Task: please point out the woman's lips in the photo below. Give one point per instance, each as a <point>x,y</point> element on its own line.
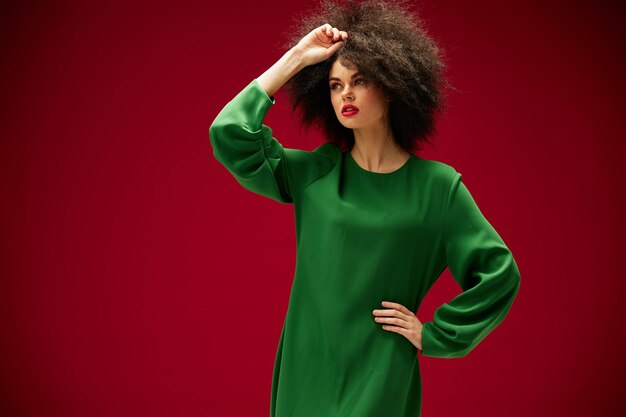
<point>349,110</point>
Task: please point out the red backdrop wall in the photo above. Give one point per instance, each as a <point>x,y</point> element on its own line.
<point>138,278</point>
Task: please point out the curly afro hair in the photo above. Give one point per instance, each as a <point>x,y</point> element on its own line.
<point>388,43</point>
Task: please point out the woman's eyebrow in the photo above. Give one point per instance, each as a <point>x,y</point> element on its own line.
<point>353,75</point>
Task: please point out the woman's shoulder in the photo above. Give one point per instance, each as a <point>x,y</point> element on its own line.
<point>325,154</point>
<point>329,150</point>
<point>437,170</point>
<point>305,167</point>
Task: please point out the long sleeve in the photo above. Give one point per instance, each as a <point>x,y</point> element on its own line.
<point>486,271</point>
<point>257,160</point>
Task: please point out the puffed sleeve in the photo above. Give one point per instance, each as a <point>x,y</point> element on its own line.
<point>484,268</point>
<point>257,160</point>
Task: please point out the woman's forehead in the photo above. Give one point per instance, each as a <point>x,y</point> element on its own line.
<point>340,68</point>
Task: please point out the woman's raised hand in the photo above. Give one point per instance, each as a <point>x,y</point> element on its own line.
<point>320,44</point>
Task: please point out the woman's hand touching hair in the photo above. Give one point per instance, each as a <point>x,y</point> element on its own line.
<point>318,45</point>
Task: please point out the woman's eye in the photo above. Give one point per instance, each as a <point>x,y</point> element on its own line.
<point>362,80</point>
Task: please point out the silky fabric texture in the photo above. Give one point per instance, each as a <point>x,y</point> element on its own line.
<point>364,237</point>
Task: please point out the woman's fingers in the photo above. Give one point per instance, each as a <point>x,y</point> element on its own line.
<point>327,29</point>
<point>333,32</point>
<point>333,48</point>
<point>392,320</point>
<point>400,319</point>
<point>391,316</point>
<point>320,43</point>
<point>396,306</point>
<point>390,313</point>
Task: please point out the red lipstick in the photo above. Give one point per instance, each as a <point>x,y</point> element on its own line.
<point>349,110</point>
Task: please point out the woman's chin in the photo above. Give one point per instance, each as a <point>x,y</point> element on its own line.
<point>347,124</point>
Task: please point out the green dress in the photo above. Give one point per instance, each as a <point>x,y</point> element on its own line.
<point>363,238</point>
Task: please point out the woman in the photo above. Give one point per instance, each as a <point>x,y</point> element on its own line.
<point>376,224</point>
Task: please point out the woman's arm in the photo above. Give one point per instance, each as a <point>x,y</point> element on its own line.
<point>279,73</point>
<point>246,147</point>
<point>318,45</point>
<point>485,269</point>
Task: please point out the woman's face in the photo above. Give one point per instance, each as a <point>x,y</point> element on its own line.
<point>348,87</point>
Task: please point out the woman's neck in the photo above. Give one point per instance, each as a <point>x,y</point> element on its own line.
<point>377,151</point>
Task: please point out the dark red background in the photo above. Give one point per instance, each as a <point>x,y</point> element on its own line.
<point>138,278</point>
